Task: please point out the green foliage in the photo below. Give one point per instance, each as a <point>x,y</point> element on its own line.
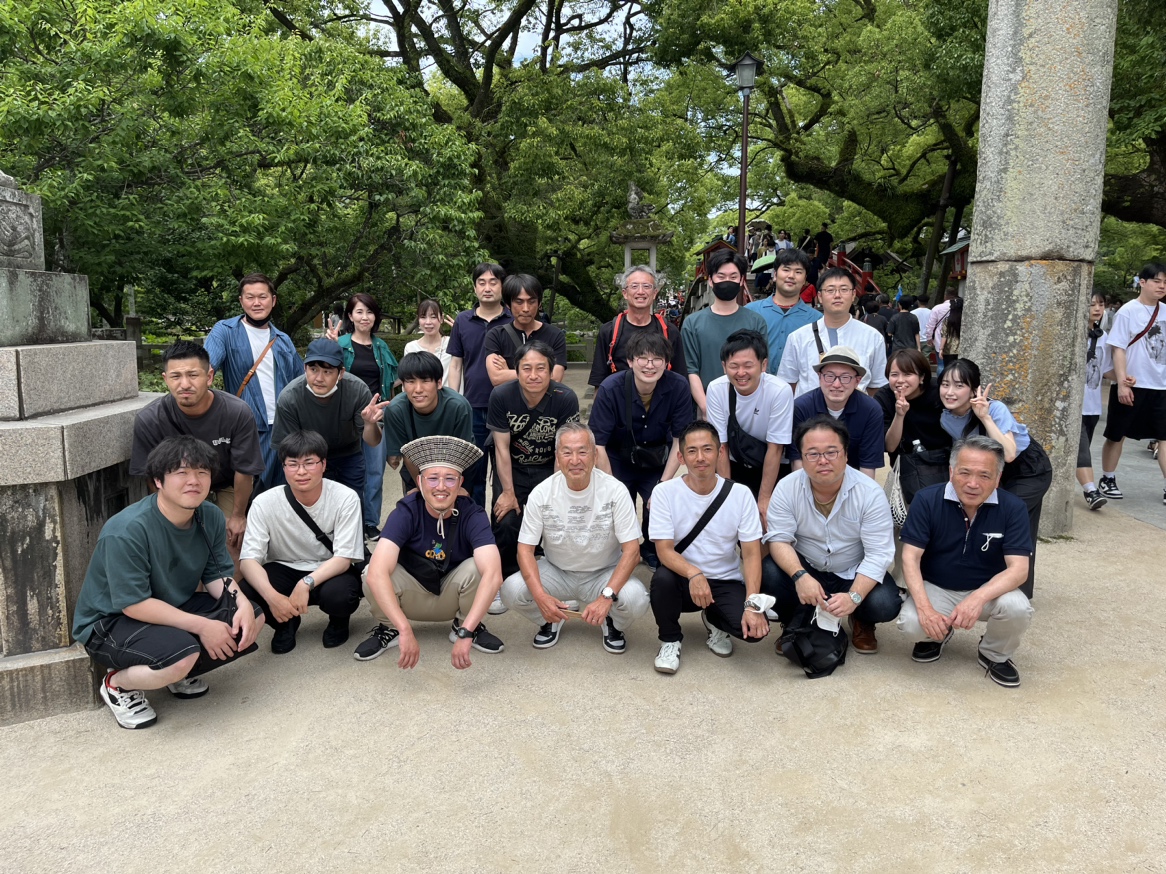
<point>1124,249</point>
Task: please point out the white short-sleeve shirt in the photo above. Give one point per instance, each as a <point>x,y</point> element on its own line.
<point>276,533</point>
<point>767,414</point>
<point>676,509</point>
<point>1146,359</point>
<point>1091,406</point>
<point>801,354</point>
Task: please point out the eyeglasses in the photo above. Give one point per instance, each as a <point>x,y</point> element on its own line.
<point>644,361</point>
<point>814,455</point>
<point>832,291</point>
<point>844,378</point>
<point>434,481</point>
<point>641,286</point>
<point>302,465</point>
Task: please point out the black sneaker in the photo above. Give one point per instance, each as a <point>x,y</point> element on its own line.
<point>931,650</point>
<point>372,533</point>
<point>613,639</point>
<point>379,639</point>
<point>336,633</point>
<point>482,641</point>
<point>1094,500</point>
<point>1107,485</point>
<point>1002,673</point>
<point>284,639</point>
<point>548,635</point>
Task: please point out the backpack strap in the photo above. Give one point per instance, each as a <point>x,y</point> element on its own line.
<point>299,510</point>
<point>818,338</point>
<point>515,337</point>
<point>614,338</point>
<point>706,517</point>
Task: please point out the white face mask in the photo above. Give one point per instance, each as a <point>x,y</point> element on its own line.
<point>326,394</point>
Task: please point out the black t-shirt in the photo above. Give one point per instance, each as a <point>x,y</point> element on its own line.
<point>364,367</point>
<point>532,431</point>
<point>500,342</point>
<point>825,243</point>
<point>601,370</point>
<point>228,427</point>
<point>877,322</point>
<point>921,422</point>
<point>903,329</point>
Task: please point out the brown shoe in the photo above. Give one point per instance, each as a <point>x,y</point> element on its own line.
<point>862,637</point>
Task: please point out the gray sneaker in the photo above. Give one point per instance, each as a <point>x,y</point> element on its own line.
<point>130,707</point>
<point>189,687</point>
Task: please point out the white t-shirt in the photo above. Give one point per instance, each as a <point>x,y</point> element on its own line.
<point>259,338</point>
<point>580,531</point>
<point>767,414</point>
<point>1146,359</point>
<point>923,314</point>
<point>276,533</point>
<point>801,354</point>
<point>1091,406</point>
<point>676,509</point>
<point>442,355</point>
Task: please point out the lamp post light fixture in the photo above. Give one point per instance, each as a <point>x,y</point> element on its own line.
<point>746,71</point>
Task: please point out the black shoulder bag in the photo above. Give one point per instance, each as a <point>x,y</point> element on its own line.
<point>648,455</point>
<point>706,517</point>
<point>746,448</point>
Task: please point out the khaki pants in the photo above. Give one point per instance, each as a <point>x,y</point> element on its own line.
<point>1008,617</point>
<point>224,499</point>
<point>458,589</point>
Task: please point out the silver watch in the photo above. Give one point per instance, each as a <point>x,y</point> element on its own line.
<point>310,580</point>
<point>855,597</point>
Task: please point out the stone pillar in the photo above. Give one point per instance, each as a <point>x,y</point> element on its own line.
<point>1047,73</point>
<point>67,407</point>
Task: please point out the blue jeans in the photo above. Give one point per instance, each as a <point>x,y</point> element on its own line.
<point>374,482</point>
<point>882,603</point>
<point>348,471</point>
<point>476,476</point>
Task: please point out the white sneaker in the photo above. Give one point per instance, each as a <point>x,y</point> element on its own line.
<point>719,641</point>
<point>497,608</point>
<point>189,687</point>
<point>668,659</point>
<point>130,709</point>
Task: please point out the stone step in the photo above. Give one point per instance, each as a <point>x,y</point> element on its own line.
<point>56,377</point>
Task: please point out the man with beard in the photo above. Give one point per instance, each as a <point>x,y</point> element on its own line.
<point>785,311</point>
<point>705,332</point>
<point>257,361</point>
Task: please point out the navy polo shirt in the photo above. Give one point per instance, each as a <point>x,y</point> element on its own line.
<point>960,555</point>
<point>862,415</point>
<point>669,411</point>
<point>466,341</point>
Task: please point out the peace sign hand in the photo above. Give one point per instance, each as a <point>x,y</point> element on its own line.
<point>980,403</point>
<point>374,412</point>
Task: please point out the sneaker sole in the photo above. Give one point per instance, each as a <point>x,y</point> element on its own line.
<point>615,650</point>
<point>938,655</point>
<point>663,670</point>
<point>546,644</point>
<point>189,696</point>
<point>1097,505</point>
<point>495,611</point>
<point>987,665</point>
<point>145,724</point>
<point>376,655</point>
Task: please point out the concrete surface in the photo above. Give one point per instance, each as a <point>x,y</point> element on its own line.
<point>572,759</point>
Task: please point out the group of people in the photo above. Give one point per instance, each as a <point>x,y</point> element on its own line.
<point>778,412</point>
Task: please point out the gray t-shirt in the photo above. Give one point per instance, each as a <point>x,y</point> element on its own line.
<point>336,417</point>
<point>705,332</point>
<point>228,427</point>
<point>276,533</point>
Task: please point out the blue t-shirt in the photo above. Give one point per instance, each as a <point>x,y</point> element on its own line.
<point>862,416</point>
<point>669,411</point>
<point>413,528</point>
<point>959,555</point>
<point>1001,415</point>
<point>781,324</point>
<point>466,341</point>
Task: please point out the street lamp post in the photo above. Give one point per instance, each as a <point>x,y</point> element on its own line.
<point>746,70</point>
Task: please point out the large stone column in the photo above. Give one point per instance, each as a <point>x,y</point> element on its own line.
<point>1047,74</point>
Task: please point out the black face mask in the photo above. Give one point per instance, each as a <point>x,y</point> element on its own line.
<point>726,290</point>
<point>254,324</point>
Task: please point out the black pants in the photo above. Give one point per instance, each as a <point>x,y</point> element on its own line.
<point>882,603</point>
<point>337,597</point>
<point>639,481</point>
<point>506,529</point>
<point>670,597</point>
<point>750,477</point>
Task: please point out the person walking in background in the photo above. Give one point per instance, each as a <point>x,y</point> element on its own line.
<point>952,326</point>
<point>1096,365</point>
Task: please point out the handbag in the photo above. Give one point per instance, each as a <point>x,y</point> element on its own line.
<point>746,448</point>
<point>922,468</point>
<point>814,650</point>
<point>894,490</point>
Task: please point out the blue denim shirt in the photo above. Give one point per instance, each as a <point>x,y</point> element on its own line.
<point>230,352</point>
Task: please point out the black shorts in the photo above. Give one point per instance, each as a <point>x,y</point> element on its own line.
<point>120,642</point>
<point>1145,420</point>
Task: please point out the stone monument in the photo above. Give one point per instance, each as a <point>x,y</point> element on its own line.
<point>67,407</point>
<point>640,231</point>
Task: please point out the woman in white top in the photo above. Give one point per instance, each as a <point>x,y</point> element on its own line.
<point>1096,365</point>
<point>429,319</point>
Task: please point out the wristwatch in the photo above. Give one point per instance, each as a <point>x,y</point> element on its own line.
<point>855,597</point>
<point>310,580</point>
<point>463,633</point>
<point>609,593</point>
<point>797,575</point>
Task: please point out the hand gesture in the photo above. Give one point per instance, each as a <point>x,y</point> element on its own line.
<point>980,403</point>
<point>282,608</point>
<point>901,405</point>
<point>332,332</point>
<point>374,412</point>
<point>933,622</point>
<point>754,625</point>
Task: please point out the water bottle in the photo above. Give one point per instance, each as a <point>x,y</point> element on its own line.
<point>916,447</point>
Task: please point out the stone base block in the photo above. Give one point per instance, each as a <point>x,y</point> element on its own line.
<point>56,377</point>
<point>39,307</point>
<point>45,684</point>
<point>22,243</point>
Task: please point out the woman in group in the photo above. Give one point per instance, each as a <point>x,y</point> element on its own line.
<point>1096,365</point>
<point>368,358</point>
<point>952,325</point>
<point>968,410</point>
<point>911,411</point>
<point>429,320</point>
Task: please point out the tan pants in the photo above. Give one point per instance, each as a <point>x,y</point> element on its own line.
<point>225,500</point>
<point>458,589</point>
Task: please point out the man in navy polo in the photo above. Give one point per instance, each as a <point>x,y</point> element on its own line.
<point>637,418</point>
<point>785,311</point>
<point>467,369</point>
<point>966,549</point>
<point>839,373</point>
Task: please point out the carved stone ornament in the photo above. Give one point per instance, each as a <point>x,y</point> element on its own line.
<point>637,209</point>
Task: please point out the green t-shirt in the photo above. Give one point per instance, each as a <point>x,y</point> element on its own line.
<point>704,333</point>
<point>141,554</point>
<point>336,417</point>
<point>453,417</point>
